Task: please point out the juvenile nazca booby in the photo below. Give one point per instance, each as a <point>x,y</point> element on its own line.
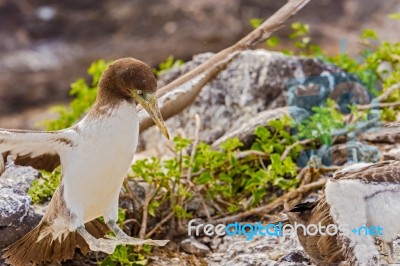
<point>95,156</point>
<point>358,196</point>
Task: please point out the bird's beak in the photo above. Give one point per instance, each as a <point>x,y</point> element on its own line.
<point>149,102</point>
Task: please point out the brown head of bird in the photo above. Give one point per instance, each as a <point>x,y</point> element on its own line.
<point>131,79</point>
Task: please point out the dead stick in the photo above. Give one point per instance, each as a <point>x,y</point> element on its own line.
<point>161,223</point>
<point>262,33</point>
<point>142,232</point>
<point>379,105</point>
<point>290,148</point>
<point>194,146</point>
<point>274,204</point>
<point>389,91</point>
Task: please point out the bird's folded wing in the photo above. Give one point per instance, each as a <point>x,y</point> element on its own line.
<point>41,150</point>
<point>385,171</point>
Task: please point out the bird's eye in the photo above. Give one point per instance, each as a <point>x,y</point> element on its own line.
<point>139,92</point>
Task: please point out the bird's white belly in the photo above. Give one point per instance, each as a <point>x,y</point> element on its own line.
<point>93,176</point>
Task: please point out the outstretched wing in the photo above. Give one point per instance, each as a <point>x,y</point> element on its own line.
<point>39,149</point>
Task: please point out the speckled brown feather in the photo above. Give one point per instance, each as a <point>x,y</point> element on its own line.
<point>323,250</point>
<point>386,171</point>
<point>29,250</point>
<point>47,162</point>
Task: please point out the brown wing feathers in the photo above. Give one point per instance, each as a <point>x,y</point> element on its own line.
<point>386,171</point>
<point>33,148</point>
<point>30,249</point>
<point>47,162</point>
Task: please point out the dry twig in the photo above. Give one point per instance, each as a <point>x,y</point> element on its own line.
<point>377,105</point>
<point>291,147</point>
<point>389,91</point>
<point>161,223</point>
<point>143,227</point>
<point>274,204</point>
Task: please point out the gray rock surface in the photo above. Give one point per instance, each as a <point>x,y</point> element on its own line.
<point>257,81</point>
<point>16,215</point>
<point>259,251</point>
<point>351,151</point>
<point>193,246</point>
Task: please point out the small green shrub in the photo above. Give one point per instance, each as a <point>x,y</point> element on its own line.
<point>43,188</point>
<point>84,97</point>
<point>169,63</point>
<point>126,256</point>
<point>321,125</point>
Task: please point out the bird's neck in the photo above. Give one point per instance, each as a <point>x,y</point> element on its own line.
<point>106,107</point>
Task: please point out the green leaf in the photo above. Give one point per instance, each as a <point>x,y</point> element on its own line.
<point>255,22</point>
<point>96,69</point>
<point>231,144</point>
<point>394,16</point>
<point>181,143</point>
<point>169,63</point>
<point>272,41</point>
<point>299,29</point>
<point>262,133</point>
<point>43,188</point>
<point>369,34</point>
<point>205,178</point>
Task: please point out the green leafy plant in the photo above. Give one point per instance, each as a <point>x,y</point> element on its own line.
<point>126,256</point>
<point>223,174</point>
<point>84,97</point>
<point>169,63</point>
<point>321,125</point>
<point>43,188</point>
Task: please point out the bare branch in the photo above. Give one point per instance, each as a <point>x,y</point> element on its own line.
<point>274,204</point>
<point>161,223</point>
<point>389,91</point>
<point>263,32</point>
<point>379,105</point>
<point>291,147</point>
<point>143,227</point>
<point>194,146</point>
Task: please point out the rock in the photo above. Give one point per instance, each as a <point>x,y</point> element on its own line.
<point>352,151</point>
<point>296,256</point>
<point>258,251</point>
<point>245,131</point>
<point>16,215</point>
<point>276,255</point>
<point>259,259</point>
<point>194,247</point>
<point>256,81</point>
<point>215,242</point>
